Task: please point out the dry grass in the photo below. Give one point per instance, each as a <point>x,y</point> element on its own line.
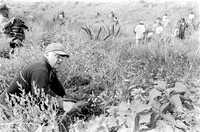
<point>113,62</point>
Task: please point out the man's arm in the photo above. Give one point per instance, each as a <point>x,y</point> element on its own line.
<point>56,86</point>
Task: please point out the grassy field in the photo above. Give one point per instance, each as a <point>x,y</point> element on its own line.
<point>126,73</point>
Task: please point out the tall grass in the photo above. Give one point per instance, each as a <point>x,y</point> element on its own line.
<point>116,63</point>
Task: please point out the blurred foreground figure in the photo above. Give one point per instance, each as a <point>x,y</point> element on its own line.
<point>139,32</point>
<point>15,29</point>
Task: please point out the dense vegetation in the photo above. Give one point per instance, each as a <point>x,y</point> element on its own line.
<point>152,87</point>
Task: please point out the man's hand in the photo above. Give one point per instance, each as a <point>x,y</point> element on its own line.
<point>77,106</point>
<point>60,101</point>
<point>68,106</point>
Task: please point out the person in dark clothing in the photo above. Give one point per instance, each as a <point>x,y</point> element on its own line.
<point>182,26</point>
<point>15,29</point>
<point>42,74</point>
<point>60,18</point>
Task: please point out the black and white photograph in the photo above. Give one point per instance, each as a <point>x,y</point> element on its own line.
<point>99,66</point>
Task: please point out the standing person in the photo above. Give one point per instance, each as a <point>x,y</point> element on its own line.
<point>15,29</point>
<point>165,20</point>
<point>61,18</point>
<point>175,32</point>
<point>155,24</point>
<point>191,18</point>
<point>159,29</point>
<point>139,32</point>
<point>182,26</point>
<point>149,35</point>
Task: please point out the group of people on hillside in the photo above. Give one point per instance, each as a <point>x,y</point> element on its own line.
<point>161,25</point>
<point>14,28</point>
<point>43,73</point>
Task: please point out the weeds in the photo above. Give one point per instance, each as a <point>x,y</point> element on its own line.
<point>122,79</point>
<point>28,112</point>
<point>108,32</point>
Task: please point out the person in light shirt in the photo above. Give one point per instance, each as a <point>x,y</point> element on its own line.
<point>165,20</point>
<point>159,29</point>
<point>191,17</point>
<point>175,32</point>
<point>191,21</point>
<point>139,32</point>
<point>156,23</point>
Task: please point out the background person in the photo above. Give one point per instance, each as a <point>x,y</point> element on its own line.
<point>15,29</point>
<point>139,32</point>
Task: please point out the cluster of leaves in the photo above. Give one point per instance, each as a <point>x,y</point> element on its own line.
<point>173,103</point>
<point>166,109</point>
<point>106,31</point>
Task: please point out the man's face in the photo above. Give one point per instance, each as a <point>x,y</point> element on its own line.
<point>55,59</point>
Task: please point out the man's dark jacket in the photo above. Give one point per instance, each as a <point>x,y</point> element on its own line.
<point>42,74</point>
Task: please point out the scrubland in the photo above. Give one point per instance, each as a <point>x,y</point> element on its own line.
<point>152,87</point>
